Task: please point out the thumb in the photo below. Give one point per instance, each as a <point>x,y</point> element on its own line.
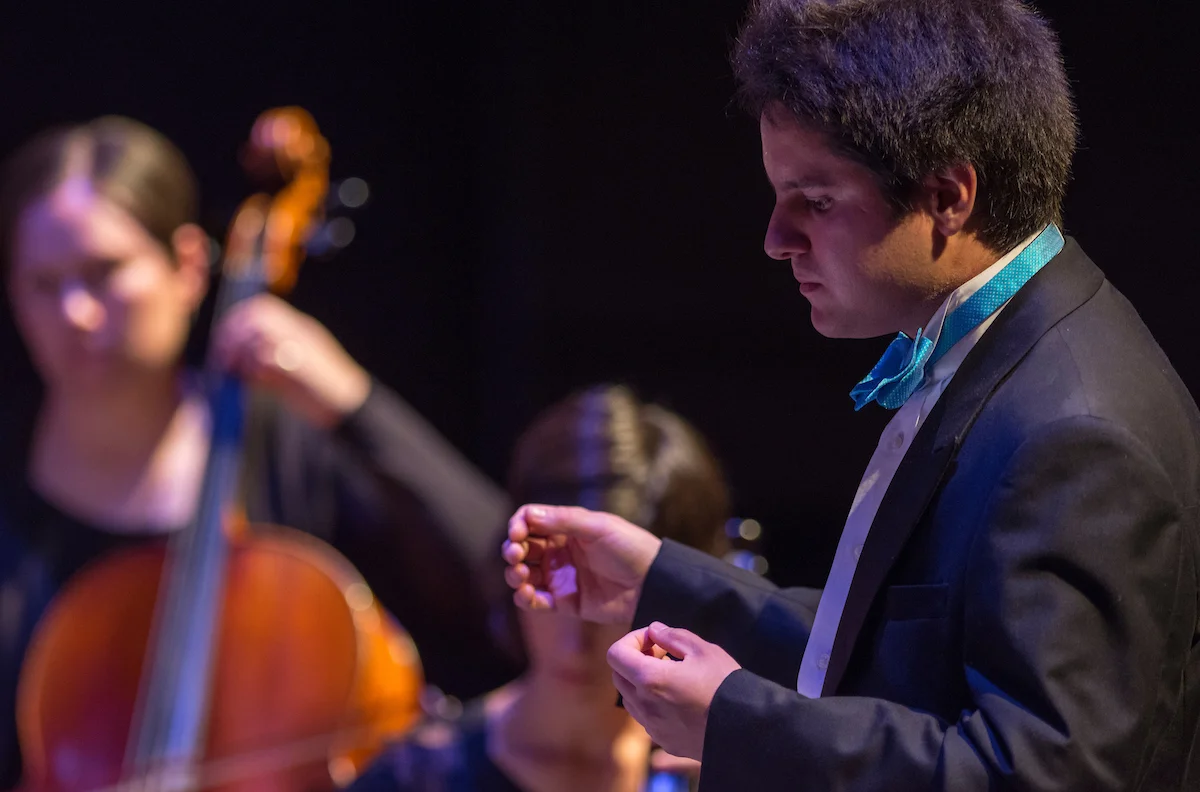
<point>675,640</point>
<point>571,521</point>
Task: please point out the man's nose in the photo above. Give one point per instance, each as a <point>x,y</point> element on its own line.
<point>784,239</point>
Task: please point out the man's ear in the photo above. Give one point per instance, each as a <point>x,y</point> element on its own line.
<point>190,247</point>
<point>949,196</point>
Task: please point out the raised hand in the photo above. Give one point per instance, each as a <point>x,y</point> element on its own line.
<point>590,564</point>
<point>272,345</point>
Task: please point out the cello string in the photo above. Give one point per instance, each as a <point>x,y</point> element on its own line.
<point>194,556</point>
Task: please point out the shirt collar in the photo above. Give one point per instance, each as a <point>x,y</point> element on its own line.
<point>949,362</point>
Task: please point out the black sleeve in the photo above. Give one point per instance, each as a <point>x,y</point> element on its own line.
<point>1079,609</point>
<point>409,459</point>
<point>763,627</point>
<point>418,521</point>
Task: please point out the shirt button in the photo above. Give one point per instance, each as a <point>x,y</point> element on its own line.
<point>857,551</point>
<point>823,663</point>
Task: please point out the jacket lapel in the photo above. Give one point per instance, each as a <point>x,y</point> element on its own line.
<point>1064,284</point>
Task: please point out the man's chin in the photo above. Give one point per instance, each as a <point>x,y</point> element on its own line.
<point>832,327</point>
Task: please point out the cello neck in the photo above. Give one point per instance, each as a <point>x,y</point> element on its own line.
<point>171,722</point>
<point>263,249</point>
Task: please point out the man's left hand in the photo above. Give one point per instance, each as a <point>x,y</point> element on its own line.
<point>670,698</point>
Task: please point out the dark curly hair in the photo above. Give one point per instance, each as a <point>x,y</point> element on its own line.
<point>908,87</point>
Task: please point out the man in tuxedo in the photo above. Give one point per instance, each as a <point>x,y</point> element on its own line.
<point>1014,600</point>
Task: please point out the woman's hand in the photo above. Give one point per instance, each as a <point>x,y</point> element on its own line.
<point>272,345</point>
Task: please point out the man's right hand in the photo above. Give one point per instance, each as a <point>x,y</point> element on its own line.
<point>589,564</point>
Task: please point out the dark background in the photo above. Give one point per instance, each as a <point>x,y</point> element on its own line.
<point>562,193</point>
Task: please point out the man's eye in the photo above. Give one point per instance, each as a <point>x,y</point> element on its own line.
<point>820,205</point>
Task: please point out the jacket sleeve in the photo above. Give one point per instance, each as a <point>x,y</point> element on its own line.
<point>1079,606</point>
<point>763,627</point>
<point>423,526</point>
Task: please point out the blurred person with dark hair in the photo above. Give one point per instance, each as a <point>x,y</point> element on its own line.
<point>1014,602</point>
<point>556,728</point>
<point>105,269</point>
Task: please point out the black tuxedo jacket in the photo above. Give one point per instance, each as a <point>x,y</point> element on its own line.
<point>1025,611</point>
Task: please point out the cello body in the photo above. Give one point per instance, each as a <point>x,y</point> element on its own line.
<point>311,676</point>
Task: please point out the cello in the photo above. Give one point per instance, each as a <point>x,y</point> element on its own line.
<point>229,657</point>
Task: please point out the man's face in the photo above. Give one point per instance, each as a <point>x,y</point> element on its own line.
<point>865,271</point>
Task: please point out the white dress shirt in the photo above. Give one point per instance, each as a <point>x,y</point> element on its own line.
<point>893,445</point>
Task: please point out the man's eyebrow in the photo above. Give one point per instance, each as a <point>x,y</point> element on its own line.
<point>814,182</point>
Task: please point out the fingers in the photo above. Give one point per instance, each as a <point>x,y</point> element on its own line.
<point>663,762</point>
<point>518,528</point>
<point>541,520</point>
<point>261,335</point>
<point>573,521</point>
<point>524,554</point>
<point>559,522</point>
<point>633,671</point>
<point>628,657</point>
<point>534,529</point>
<point>512,552</point>
<point>651,649</point>
<point>516,576</point>
<point>626,688</point>
<point>675,640</point>
<point>628,693</point>
<point>526,597</point>
<point>537,519</point>
<point>525,563</point>
<point>532,551</point>
<point>536,552</point>
<point>519,575</point>
<point>248,338</point>
<point>270,344</point>
<point>638,655</point>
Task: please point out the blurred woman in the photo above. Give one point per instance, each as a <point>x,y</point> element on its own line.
<point>105,269</point>
<point>556,728</point>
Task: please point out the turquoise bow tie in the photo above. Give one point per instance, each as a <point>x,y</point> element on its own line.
<point>901,370</point>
